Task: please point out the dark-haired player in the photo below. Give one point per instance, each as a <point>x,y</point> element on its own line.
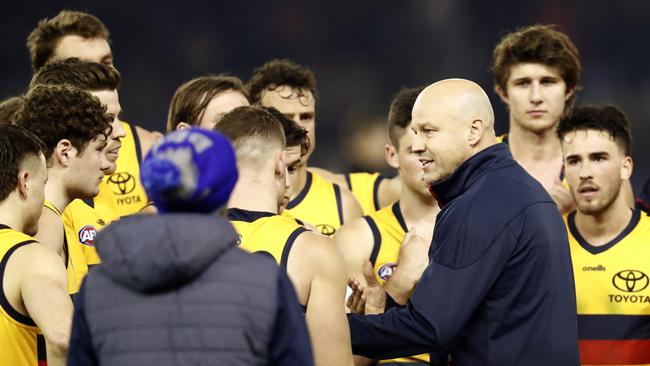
<point>609,241</point>
<point>33,280</point>
<point>291,89</point>
<point>74,127</point>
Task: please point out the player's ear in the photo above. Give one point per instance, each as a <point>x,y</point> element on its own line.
<point>182,126</point>
<point>280,165</point>
<point>391,156</point>
<point>501,93</point>
<point>626,167</point>
<point>64,152</point>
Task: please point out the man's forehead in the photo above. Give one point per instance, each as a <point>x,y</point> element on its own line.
<point>86,49</point>
<point>289,100</point>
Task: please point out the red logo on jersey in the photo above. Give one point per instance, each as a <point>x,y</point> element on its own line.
<point>87,235</point>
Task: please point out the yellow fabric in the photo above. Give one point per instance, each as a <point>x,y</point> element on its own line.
<point>595,274</point>
<point>318,204</point>
<point>122,194</point>
<point>270,234</point>
<point>76,264</point>
<point>82,223</point>
<point>18,344</point>
<point>389,235</point>
<point>362,186</point>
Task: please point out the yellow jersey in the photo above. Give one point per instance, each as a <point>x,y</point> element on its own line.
<point>18,332</point>
<point>388,230</point>
<point>319,203</point>
<point>265,233</point>
<point>75,261</point>
<point>82,223</point>
<point>613,294</point>
<point>121,193</point>
<point>365,188</point>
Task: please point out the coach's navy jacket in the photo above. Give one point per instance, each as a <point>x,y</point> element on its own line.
<point>499,289</point>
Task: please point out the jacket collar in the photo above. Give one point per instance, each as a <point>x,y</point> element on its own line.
<point>460,180</point>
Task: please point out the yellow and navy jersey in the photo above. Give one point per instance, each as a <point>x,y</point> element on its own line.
<point>122,194</point>
<point>75,261</point>
<point>82,223</point>
<point>365,188</point>
<point>613,294</point>
<point>319,203</point>
<point>18,332</point>
<point>388,230</point>
<point>265,233</point>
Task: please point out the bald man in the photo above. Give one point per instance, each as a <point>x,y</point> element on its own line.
<point>498,289</point>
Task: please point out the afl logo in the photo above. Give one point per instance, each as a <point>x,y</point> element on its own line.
<point>326,229</point>
<point>87,235</point>
<point>630,280</point>
<point>122,183</point>
<point>386,271</point>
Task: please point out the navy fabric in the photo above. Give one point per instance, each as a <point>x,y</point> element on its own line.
<point>499,288</point>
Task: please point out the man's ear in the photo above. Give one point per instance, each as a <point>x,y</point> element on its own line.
<point>627,167</point>
<point>502,94</point>
<point>569,93</point>
<point>23,177</point>
<point>391,156</point>
<point>280,165</point>
<point>476,130</point>
<point>182,126</point>
<point>64,152</point>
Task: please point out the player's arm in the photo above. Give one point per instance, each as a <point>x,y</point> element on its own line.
<point>316,268</point>
<point>351,208</point>
<point>355,242</point>
<point>51,232</point>
<point>147,139</point>
<point>44,290</point>
<point>330,177</point>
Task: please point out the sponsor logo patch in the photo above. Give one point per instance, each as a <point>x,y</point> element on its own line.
<point>630,280</point>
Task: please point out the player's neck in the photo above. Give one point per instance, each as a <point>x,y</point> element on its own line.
<point>11,214</point>
<point>530,146</point>
<point>55,190</point>
<point>253,193</point>
<point>417,209</point>
<point>602,228</point>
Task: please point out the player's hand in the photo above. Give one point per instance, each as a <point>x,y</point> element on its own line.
<point>356,301</point>
<point>373,293</point>
<point>562,197</point>
<point>413,255</point>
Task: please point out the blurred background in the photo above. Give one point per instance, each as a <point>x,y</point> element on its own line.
<point>361,51</point>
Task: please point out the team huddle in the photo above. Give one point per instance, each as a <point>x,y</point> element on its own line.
<point>218,243</point>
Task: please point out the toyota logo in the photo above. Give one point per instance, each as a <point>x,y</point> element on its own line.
<point>630,280</point>
<point>325,229</point>
<point>123,183</point>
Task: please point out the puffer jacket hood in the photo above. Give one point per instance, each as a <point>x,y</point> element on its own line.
<point>151,253</point>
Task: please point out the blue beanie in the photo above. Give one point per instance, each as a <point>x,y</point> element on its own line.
<point>190,170</point>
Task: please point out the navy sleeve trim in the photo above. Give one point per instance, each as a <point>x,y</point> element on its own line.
<point>375,192</point>
<point>90,202</point>
<point>339,201</point>
<point>287,246</point>
<point>3,226</point>
<point>634,220</point>
<point>301,196</point>
<point>136,141</point>
<point>376,236</point>
<point>348,181</point>
<point>4,302</point>
<point>397,211</point>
